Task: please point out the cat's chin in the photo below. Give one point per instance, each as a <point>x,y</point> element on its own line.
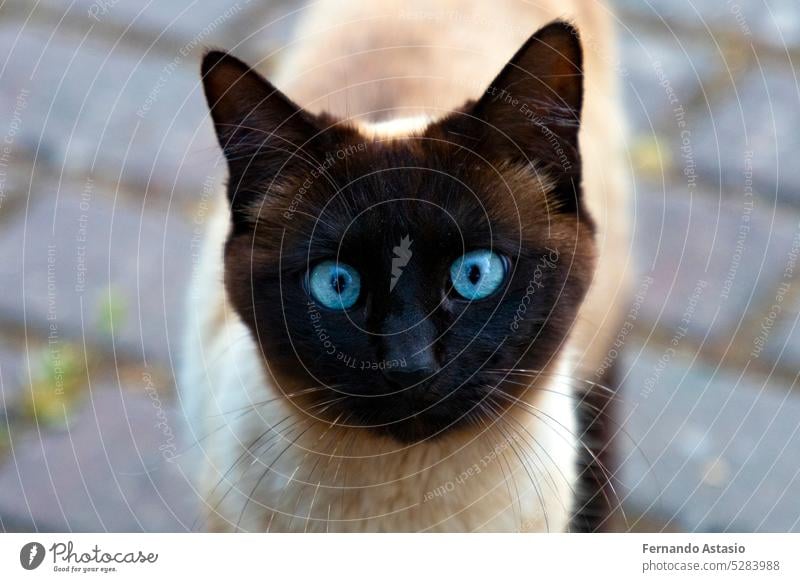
<point>419,429</point>
<point>415,415</point>
<point>412,428</point>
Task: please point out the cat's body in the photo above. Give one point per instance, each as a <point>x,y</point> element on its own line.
<point>261,464</point>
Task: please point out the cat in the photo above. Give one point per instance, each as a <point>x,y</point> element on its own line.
<point>408,288</point>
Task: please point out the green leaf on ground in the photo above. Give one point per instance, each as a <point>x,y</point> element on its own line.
<point>58,377</point>
<point>650,156</point>
<point>113,310</point>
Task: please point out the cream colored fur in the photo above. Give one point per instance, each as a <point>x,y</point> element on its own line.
<point>390,66</point>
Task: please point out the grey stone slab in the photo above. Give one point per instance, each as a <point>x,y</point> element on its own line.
<point>712,108</point>
<point>81,105</point>
<point>146,21</point>
<point>77,261</point>
<point>712,261</point>
<point>662,72</point>
<point>773,22</point>
<point>755,120</point>
<point>110,470</point>
<point>783,342</point>
<point>709,451</point>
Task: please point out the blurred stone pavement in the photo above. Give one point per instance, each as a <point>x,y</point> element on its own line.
<point>106,157</point>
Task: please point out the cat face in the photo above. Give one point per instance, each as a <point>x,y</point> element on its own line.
<point>392,282</point>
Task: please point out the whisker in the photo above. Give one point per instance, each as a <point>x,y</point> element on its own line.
<point>544,450</point>
<point>239,459</point>
<point>518,513</point>
<point>267,471</point>
<point>545,417</point>
<point>581,400</point>
<point>537,373</point>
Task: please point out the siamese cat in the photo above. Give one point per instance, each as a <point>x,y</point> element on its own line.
<point>411,281</point>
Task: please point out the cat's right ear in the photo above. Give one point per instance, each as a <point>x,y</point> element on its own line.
<point>262,132</point>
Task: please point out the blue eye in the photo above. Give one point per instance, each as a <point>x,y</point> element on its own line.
<point>478,274</point>
<point>334,285</point>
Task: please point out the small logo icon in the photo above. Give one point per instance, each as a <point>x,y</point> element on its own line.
<point>402,254</point>
<point>31,555</point>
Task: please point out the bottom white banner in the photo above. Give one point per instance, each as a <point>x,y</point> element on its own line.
<point>401,556</point>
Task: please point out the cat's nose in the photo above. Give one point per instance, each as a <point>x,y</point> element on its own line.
<point>411,371</point>
<point>409,346</point>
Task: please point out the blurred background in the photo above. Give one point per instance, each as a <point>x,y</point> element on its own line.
<point>107,159</point>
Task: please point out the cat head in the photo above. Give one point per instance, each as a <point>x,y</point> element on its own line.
<point>391,282</point>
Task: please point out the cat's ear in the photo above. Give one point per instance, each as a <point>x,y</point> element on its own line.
<point>261,131</point>
<point>532,110</point>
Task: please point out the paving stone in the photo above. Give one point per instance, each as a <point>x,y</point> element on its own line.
<point>76,262</point>
<point>83,105</point>
<point>110,470</point>
<point>660,72</point>
<point>778,26</point>
<point>145,22</point>
<point>755,121</point>
<point>702,98</point>
<point>774,22</point>
<point>711,262</point>
<point>783,343</point>
<point>709,452</point>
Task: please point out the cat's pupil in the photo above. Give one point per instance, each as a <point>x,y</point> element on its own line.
<point>474,274</point>
<point>339,282</point>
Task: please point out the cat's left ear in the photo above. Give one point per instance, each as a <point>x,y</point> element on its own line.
<point>532,110</point>
<point>262,132</point>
